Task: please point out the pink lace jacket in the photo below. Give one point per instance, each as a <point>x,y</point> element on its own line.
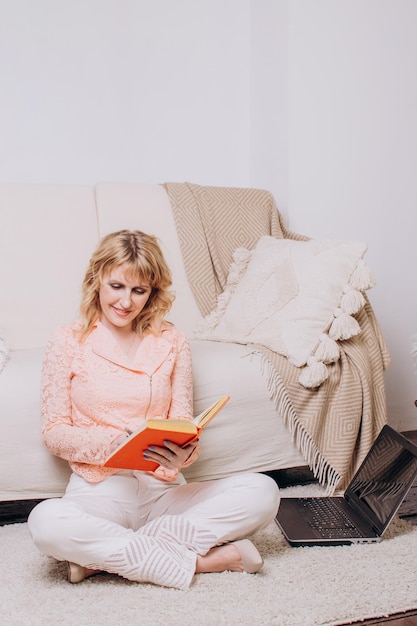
<point>91,394</point>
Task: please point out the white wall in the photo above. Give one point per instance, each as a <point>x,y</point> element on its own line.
<point>353,154</point>
<point>125,90</point>
<point>312,99</point>
<point>269,99</point>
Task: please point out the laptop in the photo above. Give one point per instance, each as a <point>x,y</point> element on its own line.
<point>368,505</point>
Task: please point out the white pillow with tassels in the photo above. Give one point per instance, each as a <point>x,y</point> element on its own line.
<point>297,298</point>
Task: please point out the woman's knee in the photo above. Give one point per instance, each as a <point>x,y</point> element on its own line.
<point>46,522</point>
<point>266,497</point>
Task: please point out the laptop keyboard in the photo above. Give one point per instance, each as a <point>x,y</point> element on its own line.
<point>328,519</point>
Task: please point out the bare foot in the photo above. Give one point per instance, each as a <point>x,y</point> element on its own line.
<point>220,559</point>
<point>76,573</point>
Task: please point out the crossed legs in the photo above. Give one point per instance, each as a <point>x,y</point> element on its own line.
<point>133,525</point>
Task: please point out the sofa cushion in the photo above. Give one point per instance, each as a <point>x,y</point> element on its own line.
<point>47,234</point>
<point>28,470</point>
<point>248,434</point>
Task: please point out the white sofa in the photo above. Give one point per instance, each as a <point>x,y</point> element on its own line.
<point>47,234</point>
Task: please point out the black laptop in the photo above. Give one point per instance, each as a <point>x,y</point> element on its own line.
<point>368,505</point>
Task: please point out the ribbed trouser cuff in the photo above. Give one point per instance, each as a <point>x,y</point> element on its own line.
<point>162,552</point>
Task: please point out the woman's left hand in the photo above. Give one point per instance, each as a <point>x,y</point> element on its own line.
<point>170,456</point>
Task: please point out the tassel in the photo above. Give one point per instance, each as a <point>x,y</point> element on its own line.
<point>313,374</point>
<point>242,256</point>
<point>352,300</point>
<point>361,277</point>
<point>4,354</point>
<point>328,350</point>
<point>343,326</point>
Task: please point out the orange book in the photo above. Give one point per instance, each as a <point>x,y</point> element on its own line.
<point>129,455</point>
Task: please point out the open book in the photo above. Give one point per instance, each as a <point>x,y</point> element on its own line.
<point>153,432</point>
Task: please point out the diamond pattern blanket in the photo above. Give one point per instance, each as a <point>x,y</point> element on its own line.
<point>333,425</point>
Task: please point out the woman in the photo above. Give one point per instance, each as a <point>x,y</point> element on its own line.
<point>102,377</point>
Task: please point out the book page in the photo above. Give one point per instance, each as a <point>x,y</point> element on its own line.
<point>208,414</point>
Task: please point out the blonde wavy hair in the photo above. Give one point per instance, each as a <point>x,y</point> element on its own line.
<point>142,255</point>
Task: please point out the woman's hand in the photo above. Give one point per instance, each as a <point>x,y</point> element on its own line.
<point>170,456</point>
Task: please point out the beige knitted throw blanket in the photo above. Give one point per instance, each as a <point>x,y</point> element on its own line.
<point>333,425</point>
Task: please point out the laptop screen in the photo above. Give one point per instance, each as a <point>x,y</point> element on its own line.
<point>384,477</point>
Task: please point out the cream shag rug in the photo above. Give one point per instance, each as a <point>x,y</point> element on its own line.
<point>296,587</point>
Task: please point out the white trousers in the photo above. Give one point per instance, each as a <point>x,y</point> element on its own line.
<point>147,530</point>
